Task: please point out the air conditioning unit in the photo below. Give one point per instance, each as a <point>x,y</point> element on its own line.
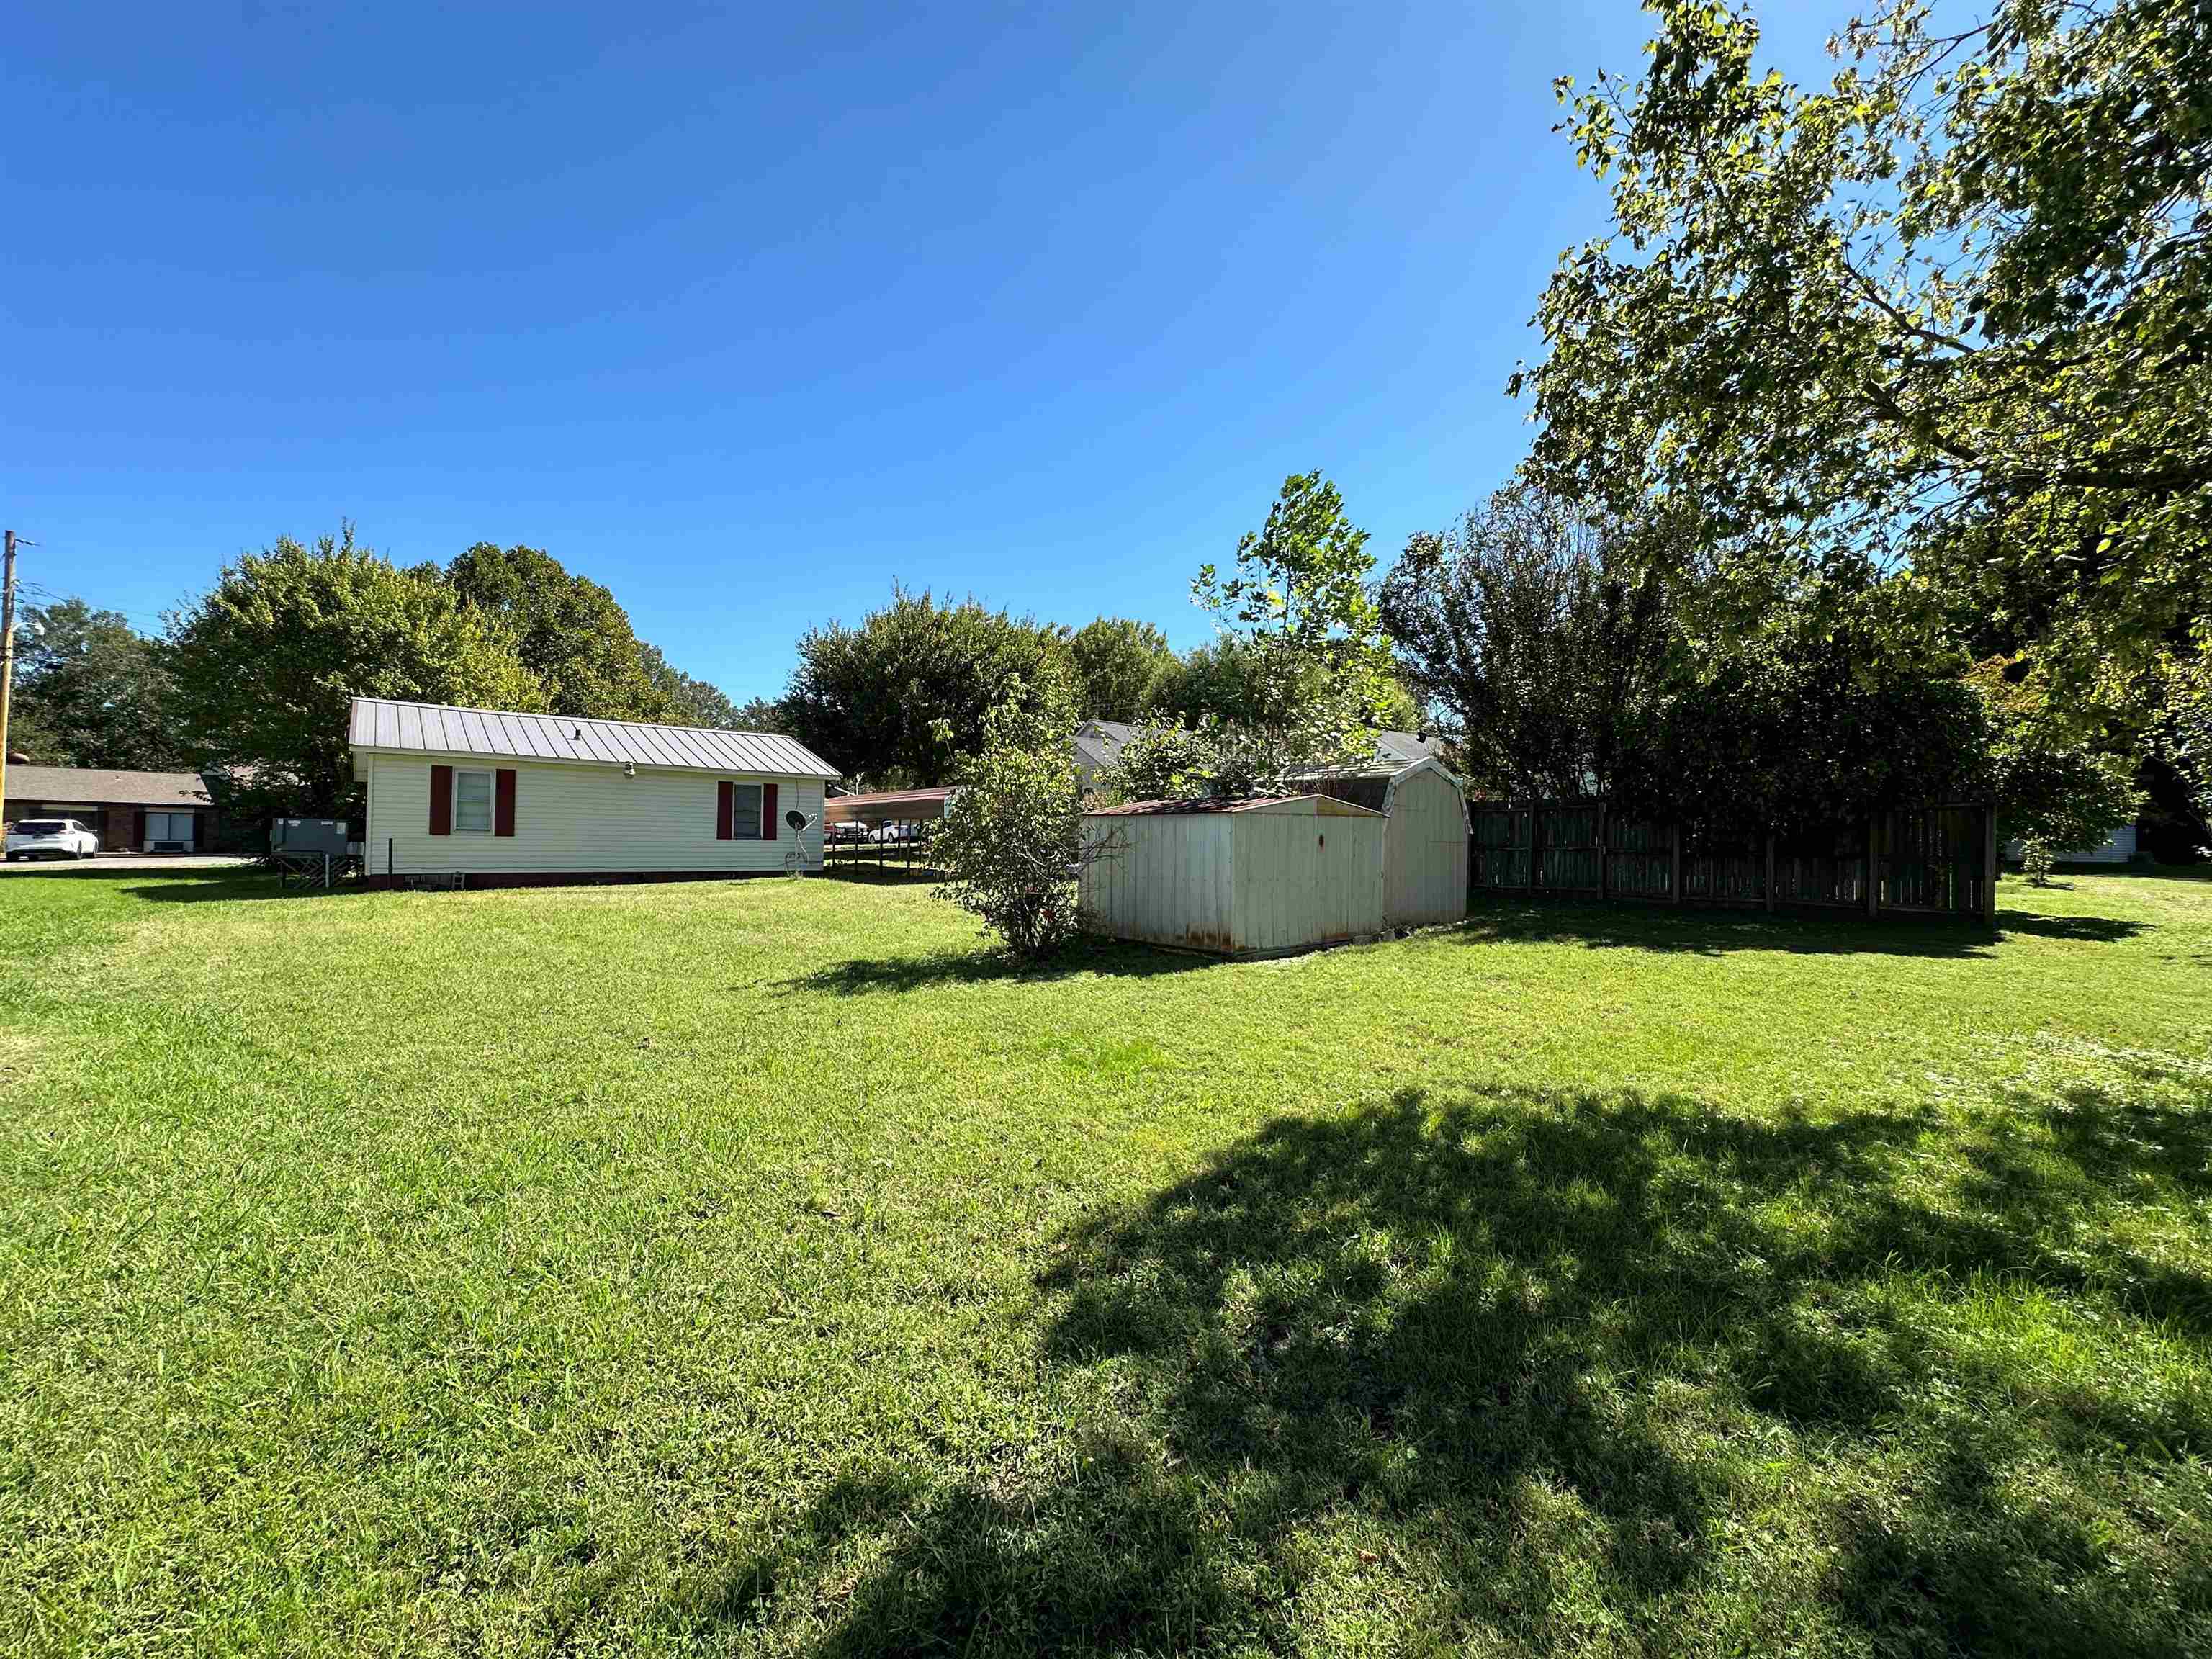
<point>308,835</point>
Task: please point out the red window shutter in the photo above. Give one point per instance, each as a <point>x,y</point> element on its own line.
<point>725,808</point>
<point>138,828</point>
<point>442,800</point>
<point>502,801</point>
<point>767,811</point>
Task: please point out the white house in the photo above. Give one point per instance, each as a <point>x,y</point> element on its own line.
<point>497,797</point>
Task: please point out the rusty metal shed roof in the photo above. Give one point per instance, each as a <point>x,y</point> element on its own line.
<point>431,728</point>
<point>1320,806</point>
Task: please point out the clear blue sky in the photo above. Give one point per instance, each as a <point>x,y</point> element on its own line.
<point>745,311</point>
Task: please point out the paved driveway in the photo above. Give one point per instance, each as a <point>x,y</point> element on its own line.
<point>107,861</point>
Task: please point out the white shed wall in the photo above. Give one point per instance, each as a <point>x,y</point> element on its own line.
<point>1425,856</point>
<point>1302,880</point>
<point>1168,882</point>
<point>1275,879</point>
<point>583,818</point>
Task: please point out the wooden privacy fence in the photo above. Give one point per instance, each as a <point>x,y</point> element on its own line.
<point>1939,860</point>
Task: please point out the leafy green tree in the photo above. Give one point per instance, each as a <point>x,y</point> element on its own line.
<point>762,714</point>
<point>1162,762</point>
<point>1216,681</point>
<point>1299,603</point>
<point>1117,664</point>
<point>2048,784</point>
<point>264,665</point>
<point>2186,737</point>
<point>683,701</point>
<point>1540,632</point>
<point>91,691</point>
<point>1827,713</point>
<point>1948,310</point>
<point>1013,834</point>
<point>570,632</point>
<point>906,693</point>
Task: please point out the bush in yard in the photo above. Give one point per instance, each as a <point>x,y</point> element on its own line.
<point>2036,862</point>
<point>1012,839</point>
<point>1161,763</point>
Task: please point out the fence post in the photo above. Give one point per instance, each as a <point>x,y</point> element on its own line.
<point>1674,874</point>
<point>1990,864</point>
<point>1873,865</point>
<point>1532,846</point>
<point>1770,869</point>
<point>1604,857</point>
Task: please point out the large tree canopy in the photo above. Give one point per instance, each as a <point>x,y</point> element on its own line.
<point>265,663</point>
<point>684,701</point>
<point>900,699</point>
<point>1117,664</point>
<point>1949,310</point>
<point>570,632</point>
<point>91,691</point>
<point>1537,631</point>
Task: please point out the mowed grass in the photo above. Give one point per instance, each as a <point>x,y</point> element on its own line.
<point>765,1267</point>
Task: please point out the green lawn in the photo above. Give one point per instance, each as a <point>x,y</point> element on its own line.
<point>763,1268</point>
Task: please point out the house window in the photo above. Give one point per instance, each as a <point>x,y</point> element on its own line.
<point>169,827</point>
<point>471,803</point>
<point>745,812</point>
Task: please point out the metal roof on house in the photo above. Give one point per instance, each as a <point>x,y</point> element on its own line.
<point>433,728</point>
<point>97,786</point>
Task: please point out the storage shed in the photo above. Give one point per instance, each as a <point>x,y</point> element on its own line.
<point>1424,849</point>
<point>1243,878</point>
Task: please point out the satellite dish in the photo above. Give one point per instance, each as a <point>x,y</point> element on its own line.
<point>792,860</point>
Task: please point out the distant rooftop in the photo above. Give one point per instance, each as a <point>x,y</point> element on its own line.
<point>96,786</point>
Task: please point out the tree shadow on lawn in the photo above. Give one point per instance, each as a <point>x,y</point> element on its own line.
<point>869,875</point>
<point>1084,955</point>
<point>199,885</point>
<point>1716,931</point>
<point>1515,1365</point>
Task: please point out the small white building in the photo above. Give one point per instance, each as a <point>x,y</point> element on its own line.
<point>2118,847</point>
<point>496,797</point>
<point>1243,877</point>
<point>1426,848</point>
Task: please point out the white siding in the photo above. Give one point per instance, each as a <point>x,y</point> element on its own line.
<point>1278,878</point>
<point>1302,880</point>
<point>1166,880</point>
<point>1425,860</point>
<point>585,818</point>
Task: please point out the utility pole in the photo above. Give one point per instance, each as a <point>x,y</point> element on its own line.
<point>7,661</point>
<point>7,664</point>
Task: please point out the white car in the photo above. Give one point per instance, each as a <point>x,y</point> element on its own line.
<point>49,838</point>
